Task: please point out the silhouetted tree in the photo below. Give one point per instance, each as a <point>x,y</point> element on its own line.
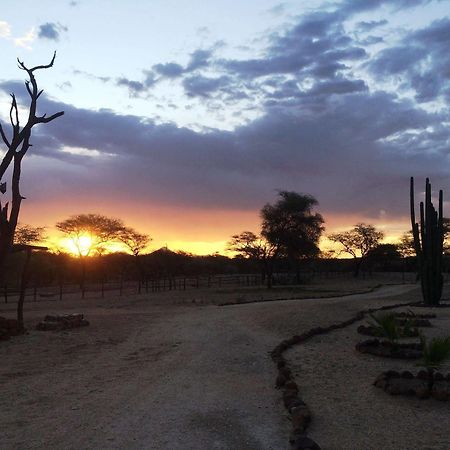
<point>406,245</point>
<point>135,242</point>
<point>98,229</point>
<point>358,242</point>
<point>291,226</point>
<point>249,245</point>
<point>17,145</point>
<point>384,255</point>
<point>27,234</point>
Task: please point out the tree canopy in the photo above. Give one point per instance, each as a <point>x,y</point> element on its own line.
<point>292,226</point>
<point>289,228</point>
<point>133,240</point>
<point>358,241</point>
<point>27,234</point>
<point>101,230</point>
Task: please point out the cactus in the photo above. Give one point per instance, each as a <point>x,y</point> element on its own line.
<point>428,245</point>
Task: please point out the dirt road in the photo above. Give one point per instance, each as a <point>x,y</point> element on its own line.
<point>146,376</point>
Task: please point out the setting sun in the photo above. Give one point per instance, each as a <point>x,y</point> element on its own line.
<point>80,246</point>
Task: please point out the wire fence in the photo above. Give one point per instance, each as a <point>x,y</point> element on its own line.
<point>127,287</point>
<point>61,291</point>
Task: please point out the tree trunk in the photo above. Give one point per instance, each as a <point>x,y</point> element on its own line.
<point>23,288</point>
<point>83,275</point>
<point>269,273</point>
<point>358,263</point>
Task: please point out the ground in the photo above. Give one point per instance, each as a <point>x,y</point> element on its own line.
<point>160,371</point>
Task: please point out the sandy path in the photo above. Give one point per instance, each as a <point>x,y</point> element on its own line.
<point>153,377</point>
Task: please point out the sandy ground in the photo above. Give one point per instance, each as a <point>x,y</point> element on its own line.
<point>145,375</point>
<point>349,412</point>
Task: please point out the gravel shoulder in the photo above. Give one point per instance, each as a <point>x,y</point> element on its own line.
<point>148,375</point>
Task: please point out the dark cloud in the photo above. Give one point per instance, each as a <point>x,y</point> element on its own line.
<point>51,31</point>
<point>199,59</point>
<point>355,154</point>
<point>169,70</point>
<point>200,86</point>
<point>369,26</point>
<point>318,45</point>
<point>138,88</point>
<point>319,128</point>
<point>352,7</point>
<point>421,61</point>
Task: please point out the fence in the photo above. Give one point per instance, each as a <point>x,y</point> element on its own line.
<point>122,287</point>
<point>127,287</point>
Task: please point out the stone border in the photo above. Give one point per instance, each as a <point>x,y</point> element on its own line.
<point>371,330</point>
<point>299,412</point>
<point>422,385</point>
<point>387,349</point>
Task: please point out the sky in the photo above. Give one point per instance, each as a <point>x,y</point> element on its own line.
<point>183,118</point>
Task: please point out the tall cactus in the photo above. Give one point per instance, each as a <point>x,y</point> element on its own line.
<point>428,244</point>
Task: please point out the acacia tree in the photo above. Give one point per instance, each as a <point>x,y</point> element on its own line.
<point>293,227</point>
<point>250,246</point>
<point>27,234</point>
<point>358,242</point>
<point>17,143</point>
<point>96,228</point>
<point>135,242</point>
<point>290,228</point>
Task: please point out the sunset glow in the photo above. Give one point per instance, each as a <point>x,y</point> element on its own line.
<point>80,246</point>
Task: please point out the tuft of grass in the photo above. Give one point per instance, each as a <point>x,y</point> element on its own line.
<point>387,326</point>
<point>435,351</point>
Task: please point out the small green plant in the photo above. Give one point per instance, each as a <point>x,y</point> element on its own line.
<point>387,326</point>
<point>435,352</point>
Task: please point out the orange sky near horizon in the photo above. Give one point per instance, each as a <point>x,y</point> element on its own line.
<point>198,231</point>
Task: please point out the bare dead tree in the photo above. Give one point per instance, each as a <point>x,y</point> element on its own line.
<point>17,144</point>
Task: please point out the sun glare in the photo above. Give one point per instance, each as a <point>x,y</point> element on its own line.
<point>77,246</point>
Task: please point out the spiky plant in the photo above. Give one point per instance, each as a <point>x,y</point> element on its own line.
<point>386,325</point>
<point>435,352</point>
